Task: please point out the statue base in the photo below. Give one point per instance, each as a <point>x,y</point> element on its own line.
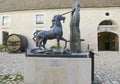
<point>57,69</point>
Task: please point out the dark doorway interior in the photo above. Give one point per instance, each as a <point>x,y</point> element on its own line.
<point>108,41</point>
<point>4,37</point>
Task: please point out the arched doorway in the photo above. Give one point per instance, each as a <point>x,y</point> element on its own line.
<point>108,41</point>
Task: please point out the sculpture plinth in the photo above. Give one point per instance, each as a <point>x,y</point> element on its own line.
<point>57,69</point>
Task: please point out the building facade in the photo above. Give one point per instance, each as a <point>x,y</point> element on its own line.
<point>99,23</point>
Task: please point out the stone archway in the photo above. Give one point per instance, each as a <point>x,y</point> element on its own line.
<point>108,41</point>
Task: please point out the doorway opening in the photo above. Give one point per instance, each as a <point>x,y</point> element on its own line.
<point>4,37</point>
<point>108,41</point>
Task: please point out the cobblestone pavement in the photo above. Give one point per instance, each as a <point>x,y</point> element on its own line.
<point>11,63</point>
<point>107,67</point>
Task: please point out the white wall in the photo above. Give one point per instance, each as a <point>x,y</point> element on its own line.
<point>23,22</point>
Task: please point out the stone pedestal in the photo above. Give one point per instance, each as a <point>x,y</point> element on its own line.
<point>57,70</point>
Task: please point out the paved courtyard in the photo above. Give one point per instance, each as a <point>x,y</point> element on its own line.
<point>11,63</point>
<point>107,65</point>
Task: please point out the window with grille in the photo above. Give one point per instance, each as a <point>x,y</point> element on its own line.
<point>40,19</point>
<point>5,20</point>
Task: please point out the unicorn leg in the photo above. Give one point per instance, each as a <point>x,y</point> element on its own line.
<point>44,42</point>
<point>40,44</point>
<point>65,42</point>
<point>58,42</point>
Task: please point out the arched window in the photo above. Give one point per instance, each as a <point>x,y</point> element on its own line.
<point>106,22</point>
<point>107,25</point>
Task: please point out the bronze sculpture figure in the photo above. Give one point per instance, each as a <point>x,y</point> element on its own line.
<point>75,44</point>
<point>54,33</point>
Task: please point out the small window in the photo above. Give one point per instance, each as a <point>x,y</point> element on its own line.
<point>5,20</point>
<point>40,19</point>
